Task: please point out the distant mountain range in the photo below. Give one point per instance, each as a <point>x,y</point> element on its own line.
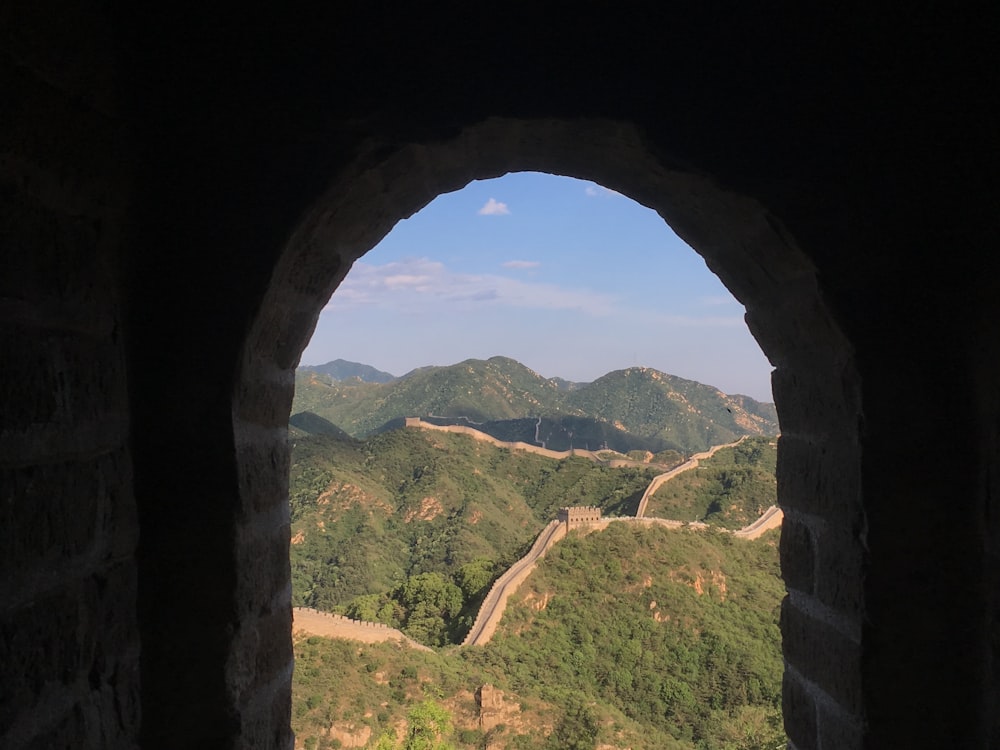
<point>634,409</point>
<point>341,369</point>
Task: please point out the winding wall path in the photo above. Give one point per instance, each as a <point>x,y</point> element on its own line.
<point>595,456</point>
<point>495,602</point>
<point>493,606</point>
<point>327,624</point>
<point>691,463</point>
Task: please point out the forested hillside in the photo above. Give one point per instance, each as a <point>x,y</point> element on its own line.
<point>634,409</point>
<point>729,491</point>
<point>368,516</point>
<point>411,527</point>
<point>646,638</point>
<point>639,637</point>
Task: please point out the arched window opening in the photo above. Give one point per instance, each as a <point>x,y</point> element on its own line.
<point>422,534</point>
<point>750,250</point>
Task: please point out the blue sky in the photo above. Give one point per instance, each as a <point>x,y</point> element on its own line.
<point>570,278</point>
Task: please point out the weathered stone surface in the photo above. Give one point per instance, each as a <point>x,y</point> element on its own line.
<point>492,709</point>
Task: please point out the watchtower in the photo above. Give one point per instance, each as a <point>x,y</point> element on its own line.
<point>581,515</point>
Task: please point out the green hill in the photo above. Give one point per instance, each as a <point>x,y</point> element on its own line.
<point>306,423</point>
<point>341,369</point>
<point>730,490</point>
<point>366,516</point>
<point>634,409</point>
<point>682,413</point>
<point>640,637</point>
<point>646,638</point>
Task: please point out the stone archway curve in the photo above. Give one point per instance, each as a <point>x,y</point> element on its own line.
<point>815,384</point>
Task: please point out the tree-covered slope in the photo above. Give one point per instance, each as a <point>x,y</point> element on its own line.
<point>479,390</point>
<point>639,637</point>
<point>730,490</point>
<point>684,414</point>
<point>678,629</point>
<point>341,369</point>
<point>634,409</point>
<point>367,516</point>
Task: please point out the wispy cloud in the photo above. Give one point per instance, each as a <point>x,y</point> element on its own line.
<point>521,264</point>
<point>493,207</point>
<point>419,283</point>
<point>599,191</point>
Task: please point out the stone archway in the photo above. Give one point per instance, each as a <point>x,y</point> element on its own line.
<point>155,162</point>
<point>815,384</point>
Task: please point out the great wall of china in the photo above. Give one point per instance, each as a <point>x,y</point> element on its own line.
<point>491,611</point>
<point>495,602</point>
<point>691,463</point>
<point>315,622</point>
<point>595,456</point>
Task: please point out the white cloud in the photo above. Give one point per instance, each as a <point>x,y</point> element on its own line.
<point>417,284</point>
<point>521,264</point>
<point>493,207</point>
<point>599,191</point>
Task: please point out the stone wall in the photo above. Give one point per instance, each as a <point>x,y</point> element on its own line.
<point>180,194</point>
<point>69,641</point>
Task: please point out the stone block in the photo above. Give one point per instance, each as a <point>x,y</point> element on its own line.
<point>54,275</point>
<point>48,514</point>
<point>797,328</point>
<point>820,478</point>
<point>263,565</point>
<point>263,465</point>
<point>798,712</point>
<point>798,556</point>
<point>265,722</point>
<point>274,655</point>
<point>839,731</point>
<point>816,400</point>
<point>70,156</point>
<point>62,397</point>
<point>823,655</point>
<point>265,402</point>
<point>44,645</point>
<point>840,564</point>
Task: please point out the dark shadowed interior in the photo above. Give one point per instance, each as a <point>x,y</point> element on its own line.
<point>180,193</point>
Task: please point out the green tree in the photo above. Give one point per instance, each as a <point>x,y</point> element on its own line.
<point>428,727</point>
<point>430,601</point>
<point>473,577</point>
<point>577,730</point>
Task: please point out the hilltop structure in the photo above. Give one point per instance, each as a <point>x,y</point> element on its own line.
<point>181,191</point>
<point>581,515</point>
